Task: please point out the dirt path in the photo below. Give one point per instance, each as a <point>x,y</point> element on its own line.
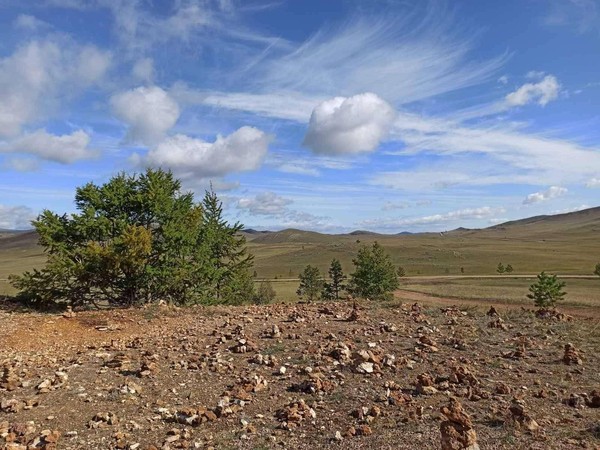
<point>421,297</point>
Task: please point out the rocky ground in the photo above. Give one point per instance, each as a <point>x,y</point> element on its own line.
<point>305,376</point>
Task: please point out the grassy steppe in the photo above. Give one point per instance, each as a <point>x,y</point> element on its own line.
<point>566,244</point>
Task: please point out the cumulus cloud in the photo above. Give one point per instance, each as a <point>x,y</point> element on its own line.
<point>148,111</point>
<point>41,75</point>
<point>550,193</point>
<point>65,149</point>
<point>243,150</point>
<point>593,183</point>
<point>15,217</point>
<point>349,125</point>
<point>265,204</point>
<point>541,93</point>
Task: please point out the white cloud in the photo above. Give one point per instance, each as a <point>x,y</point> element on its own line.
<point>266,204</point>
<point>15,217</point>
<point>550,193</point>
<point>535,74</point>
<point>29,22</point>
<point>274,206</point>
<point>541,93</point>
<point>484,212</point>
<point>593,183</point>
<point>396,57</point>
<point>243,150</point>
<point>392,206</point>
<point>21,164</point>
<point>143,70</point>
<point>579,15</point>
<point>148,111</point>
<point>570,210</point>
<point>41,75</point>
<point>349,125</point>
<point>489,155</point>
<point>503,79</point>
<point>65,149</point>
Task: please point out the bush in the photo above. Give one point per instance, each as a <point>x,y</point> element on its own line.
<point>138,239</point>
<point>500,268</point>
<point>265,293</point>
<point>375,276</point>
<point>546,291</point>
<point>597,270</point>
<point>332,289</point>
<point>311,283</point>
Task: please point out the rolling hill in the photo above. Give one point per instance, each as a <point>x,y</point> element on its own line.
<point>563,243</point>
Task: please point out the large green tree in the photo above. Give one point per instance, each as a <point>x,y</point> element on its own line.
<point>136,239</point>
<point>375,276</point>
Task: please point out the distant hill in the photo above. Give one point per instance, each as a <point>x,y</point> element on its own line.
<point>577,219</point>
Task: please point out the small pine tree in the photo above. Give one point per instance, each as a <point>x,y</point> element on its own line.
<point>401,272</point>
<point>546,291</point>
<point>311,283</point>
<point>462,270</point>
<point>331,290</point>
<point>508,269</point>
<point>265,293</point>
<point>500,268</point>
<point>597,270</point>
<point>375,276</point>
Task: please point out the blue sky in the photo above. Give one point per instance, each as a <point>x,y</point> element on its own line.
<point>330,116</point>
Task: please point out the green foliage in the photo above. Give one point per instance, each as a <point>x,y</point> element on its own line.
<point>311,283</point>
<point>500,268</point>
<point>375,276</point>
<point>138,239</point>
<point>332,289</point>
<point>265,293</point>
<point>546,291</point>
<point>401,272</point>
<point>597,270</point>
<point>508,269</point>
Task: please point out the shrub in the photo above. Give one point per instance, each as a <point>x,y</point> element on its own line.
<point>332,289</point>
<point>546,291</point>
<point>311,283</point>
<point>375,276</point>
<point>597,270</point>
<point>500,268</point>
<point>265,293</point>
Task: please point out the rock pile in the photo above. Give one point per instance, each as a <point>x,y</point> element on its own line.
<point>456,430</point>
<point>571,356</point>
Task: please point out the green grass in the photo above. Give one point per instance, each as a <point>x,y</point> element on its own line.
<point>580,292</point>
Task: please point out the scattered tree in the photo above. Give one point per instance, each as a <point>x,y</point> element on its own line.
<point>462,270</point>
<point>401,272</point>
<point>375,276</point>
<point>265,293</point>
<point>311,283</point>
<point>597,270</point>
<point>500,268</point>
<point>138,239</point>
<point>332,289</point>
<point>546,291</point>
<point>508,268</point>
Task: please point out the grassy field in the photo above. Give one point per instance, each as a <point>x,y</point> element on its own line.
<point>565,244</point>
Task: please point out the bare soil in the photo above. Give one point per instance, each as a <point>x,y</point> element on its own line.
<point>162,377</point>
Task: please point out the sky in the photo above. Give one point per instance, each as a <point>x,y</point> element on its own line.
<point>332,116</point>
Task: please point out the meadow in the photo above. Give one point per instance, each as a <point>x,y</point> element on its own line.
<point>459,264</point>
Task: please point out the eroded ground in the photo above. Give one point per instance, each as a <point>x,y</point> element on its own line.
<point>299,376</point>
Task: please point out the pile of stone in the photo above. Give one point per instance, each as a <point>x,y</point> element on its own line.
<point>520,418</point>
<point>292,414</point>
<point>571,356</point>
<point>456,430</point>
